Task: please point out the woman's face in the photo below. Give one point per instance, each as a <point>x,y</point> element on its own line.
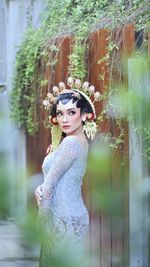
<point>69,118</point>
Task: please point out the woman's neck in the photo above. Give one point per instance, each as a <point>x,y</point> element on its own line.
<point>77,131</point>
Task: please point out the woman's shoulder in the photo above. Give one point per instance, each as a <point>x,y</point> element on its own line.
<point>74,142</point>
<point>70,139</point>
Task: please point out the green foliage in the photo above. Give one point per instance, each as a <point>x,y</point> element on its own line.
<point>39,47</point>
<point>77,66</point>
<point>23,98</point>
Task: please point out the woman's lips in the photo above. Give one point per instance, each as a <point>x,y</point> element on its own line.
<point>66,126</point>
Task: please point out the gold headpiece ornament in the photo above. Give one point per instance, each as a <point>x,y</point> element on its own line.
<point>78,89</point>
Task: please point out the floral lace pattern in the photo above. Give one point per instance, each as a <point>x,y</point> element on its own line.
<point>71,227</point>
<point>62,201</point>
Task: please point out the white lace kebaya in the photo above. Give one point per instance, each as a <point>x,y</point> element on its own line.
<point>62,201</point>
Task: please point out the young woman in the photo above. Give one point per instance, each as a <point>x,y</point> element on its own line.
<point>59,198</point>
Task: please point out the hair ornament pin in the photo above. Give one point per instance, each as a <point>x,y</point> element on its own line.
<point>77,95</point>
<point>97,96</point>
<point>55,91</point>
<point>78,83</point>
<point>70,82</point>
<point>49,101</point>
<point>61,86</point>
<point>46,103</point>
<point>85,85</point>
<point>50,96</point>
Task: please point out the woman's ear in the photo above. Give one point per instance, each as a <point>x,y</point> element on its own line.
<point>84,116</point>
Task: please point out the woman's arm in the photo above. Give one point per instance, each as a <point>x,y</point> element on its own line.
<point>67,153</point>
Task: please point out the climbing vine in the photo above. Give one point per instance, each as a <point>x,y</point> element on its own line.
<point>40,47</point>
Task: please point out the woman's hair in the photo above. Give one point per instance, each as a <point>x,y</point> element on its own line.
<point>81,103</point>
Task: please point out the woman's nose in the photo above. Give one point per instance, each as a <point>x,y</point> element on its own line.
<point>65,118</point>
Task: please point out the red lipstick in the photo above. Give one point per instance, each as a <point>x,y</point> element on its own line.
<point>65,126</point>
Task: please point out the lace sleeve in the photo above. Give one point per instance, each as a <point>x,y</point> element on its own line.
<point>67,153</point>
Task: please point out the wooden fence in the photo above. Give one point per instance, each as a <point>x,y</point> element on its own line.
<point>109,231</point>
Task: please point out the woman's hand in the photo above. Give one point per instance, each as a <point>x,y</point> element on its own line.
<point>38,194</point>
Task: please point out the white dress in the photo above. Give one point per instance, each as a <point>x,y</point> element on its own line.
<point>62,205</point>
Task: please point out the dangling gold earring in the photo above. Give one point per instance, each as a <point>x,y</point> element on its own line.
<point>56,133</point>
<point>90,127</point>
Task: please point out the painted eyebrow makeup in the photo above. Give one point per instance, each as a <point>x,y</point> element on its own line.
<point>69,109</point>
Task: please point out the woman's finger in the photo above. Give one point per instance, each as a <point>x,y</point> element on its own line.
<point>38,195</point>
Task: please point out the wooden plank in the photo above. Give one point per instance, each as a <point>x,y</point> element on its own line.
<point>97,51</point>
<point>100,223</point>
<point>128,40</point>
<point>63,60</point>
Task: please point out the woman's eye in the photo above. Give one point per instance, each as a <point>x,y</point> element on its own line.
<point>72,112</point>
<point>58,114</point>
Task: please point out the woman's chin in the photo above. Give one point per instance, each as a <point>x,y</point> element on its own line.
<point>67,132</point>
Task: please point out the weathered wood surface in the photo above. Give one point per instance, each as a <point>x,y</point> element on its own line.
<point>109,229</point>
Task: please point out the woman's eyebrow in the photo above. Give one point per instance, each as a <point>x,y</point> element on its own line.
<point>58,110</point>
<point>71,109</point>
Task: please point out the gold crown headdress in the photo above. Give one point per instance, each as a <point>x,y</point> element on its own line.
<point>77,88</point>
